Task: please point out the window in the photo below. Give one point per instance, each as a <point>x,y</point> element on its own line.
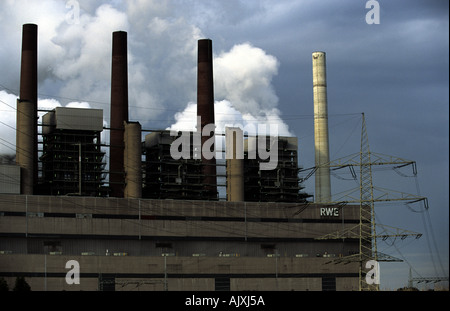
<point>328,283</point>
<point>222,284</point>
<point>163,245</point>
<point>106,283</point>
<point>52,247</point>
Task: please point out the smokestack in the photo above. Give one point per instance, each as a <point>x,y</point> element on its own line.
<point>205,110</point>
<point>132,160</point>
<point>26,136</point>
<point>119,112</point>
<point>321,141</point>
<point>235,163</point>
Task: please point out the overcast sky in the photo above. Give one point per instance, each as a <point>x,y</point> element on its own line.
<point>395,72</point>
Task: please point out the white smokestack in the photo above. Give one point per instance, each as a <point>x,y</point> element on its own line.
<point>321,141</point>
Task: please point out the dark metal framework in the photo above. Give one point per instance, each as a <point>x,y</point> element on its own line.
<point>66,154</point>
<point>279,185</point>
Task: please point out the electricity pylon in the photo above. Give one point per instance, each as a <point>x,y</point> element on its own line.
<point>367,230</point>
<point>411,280</point>
<point>367,196</point>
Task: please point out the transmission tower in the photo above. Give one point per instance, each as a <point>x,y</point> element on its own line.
<point>411,279</point>
<point>367,230</point>
<point>366,195</point>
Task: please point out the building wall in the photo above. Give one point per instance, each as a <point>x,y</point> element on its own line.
<point>209,245</point>
<point>69,245</point>
<point>183,273</point>
<point>9,179</point>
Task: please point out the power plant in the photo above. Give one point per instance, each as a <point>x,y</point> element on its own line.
<point>155,221</point>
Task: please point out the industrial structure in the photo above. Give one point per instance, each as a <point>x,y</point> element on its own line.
<point>205,114</point>
<point>321,141</point>
<point>169,178</point>
<point>166,177</point>
<point>156,220</point>
<point>234,142</point>
<point>174,244</point>
<point>26,138</point>
<point>278,185</point>
<point>119,112</point>
<point>72,159</point>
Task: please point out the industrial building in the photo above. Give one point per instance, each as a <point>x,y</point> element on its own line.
<point>169,178</point>
<point>155,222</point>
<point>278,185</point>
<point>166,177</point>
<point>72,159</point>
<point>178,244</point>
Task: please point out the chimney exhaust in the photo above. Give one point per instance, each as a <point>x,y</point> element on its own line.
<point>205,110</point>
<point>321,140</point>
<point>26,135</point>
<point>119,112</point>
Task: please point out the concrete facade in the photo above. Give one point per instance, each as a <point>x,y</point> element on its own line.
<point>174,245</point>
<point>9,179</point>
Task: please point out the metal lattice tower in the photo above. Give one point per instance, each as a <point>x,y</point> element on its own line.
<point>412,279</point>
<point>367,240</point>
<point>366,195</point>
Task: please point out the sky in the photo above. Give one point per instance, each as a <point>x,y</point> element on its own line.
<point>396,72</point>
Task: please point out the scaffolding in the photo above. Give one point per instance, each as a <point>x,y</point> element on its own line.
<point>72,159</point>
<point>279,185</point>
<point>169,178</point>
<point>72,163</point>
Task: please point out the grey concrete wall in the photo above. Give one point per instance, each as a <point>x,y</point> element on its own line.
<point>249,243</point>
<point>183,273</point>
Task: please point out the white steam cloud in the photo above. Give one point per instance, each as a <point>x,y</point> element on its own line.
<point>243,76</point>
<point>75,64</point>
<point>243,91</point>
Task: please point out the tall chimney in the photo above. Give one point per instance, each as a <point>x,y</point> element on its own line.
<point>234,143</point>
<point>132,160</point>
<point>321,141</point>
<point>26,136</point>
<point>119,112</point>
<point>205,110</point>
